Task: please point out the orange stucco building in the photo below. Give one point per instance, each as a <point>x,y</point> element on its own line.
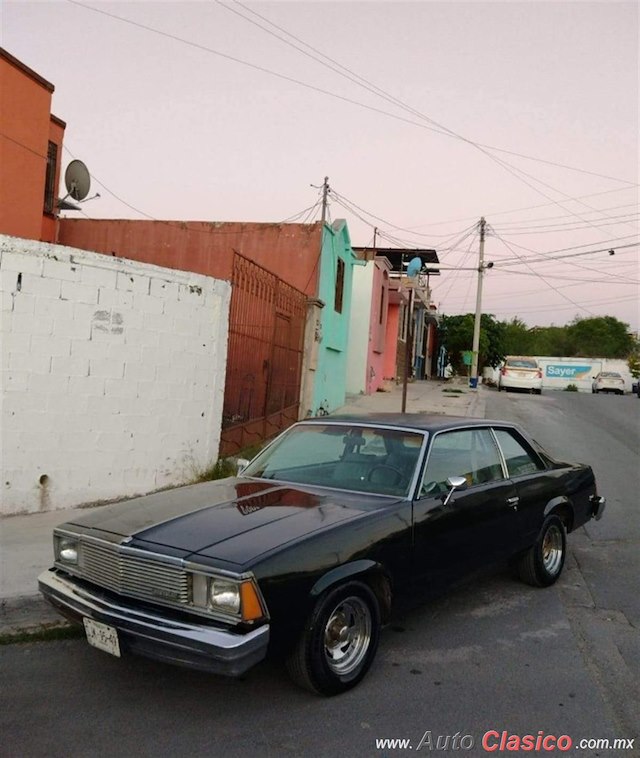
<point>290,251</point>
<point>30,152</point>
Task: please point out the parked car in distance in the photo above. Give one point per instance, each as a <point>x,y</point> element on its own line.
<point>608,381</point>
<point>307,553</point>
<point>520,373</point>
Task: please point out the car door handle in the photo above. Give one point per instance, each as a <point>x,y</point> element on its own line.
<point>513,502</point>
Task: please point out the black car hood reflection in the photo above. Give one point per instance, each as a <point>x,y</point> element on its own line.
<point>232,520</point>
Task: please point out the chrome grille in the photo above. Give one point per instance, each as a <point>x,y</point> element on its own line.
<point>127,572</point>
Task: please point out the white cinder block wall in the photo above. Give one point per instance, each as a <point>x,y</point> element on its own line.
<point>112,375</point>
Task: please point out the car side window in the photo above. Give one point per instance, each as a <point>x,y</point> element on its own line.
<point>471,453</point>
<point>519,460</point>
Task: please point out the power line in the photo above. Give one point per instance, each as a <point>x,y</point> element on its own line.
<point>545,258</point>
<point>371,87</point>
<point>549,256</point>
<point>441,129</point>
<point>504,225</point>
<point>547,283</point>
<point>564,249</point>
<point>264,225</point>
<point>530,208</point>
<point>564,227</point>
<point>562,307</point>
<point>21,144</point>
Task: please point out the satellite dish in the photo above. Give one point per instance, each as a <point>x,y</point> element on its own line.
<point>77,180</point>
<point>414,267</point>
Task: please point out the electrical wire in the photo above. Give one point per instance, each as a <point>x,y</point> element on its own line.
<point>21,144</point>
<point>505,225</point>
<point>565,249</point>
<point>516,172</point>
<point>563,227</point>
<point>454,276</point>
<point>347,205</point>
<point>546,281</point>
<point>361,81</point>
<point>563,307</point>
<point>502,264</point>
<point>530,208</point>
<point>371,87</point>
<point>248,230</point>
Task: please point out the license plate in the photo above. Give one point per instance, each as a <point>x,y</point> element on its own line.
<point>102,636</point>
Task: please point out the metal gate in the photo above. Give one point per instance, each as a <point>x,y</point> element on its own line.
<point>264,358</point>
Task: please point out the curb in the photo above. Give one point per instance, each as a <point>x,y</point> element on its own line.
<point>28,615</point>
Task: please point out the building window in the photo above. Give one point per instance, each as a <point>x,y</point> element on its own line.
<point>404,313</point>
<point>382,305</point>
<point>339,286</point>
<point>50,179</point>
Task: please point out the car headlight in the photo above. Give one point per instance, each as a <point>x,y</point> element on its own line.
<point>237,598</point>
<point>66,549</point>
<point>224,595</point>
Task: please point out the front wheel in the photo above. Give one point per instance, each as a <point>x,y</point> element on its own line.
<point>542,564</point>
<point>339,641</point>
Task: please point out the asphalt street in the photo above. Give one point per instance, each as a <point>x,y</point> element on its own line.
<point>493,654</point>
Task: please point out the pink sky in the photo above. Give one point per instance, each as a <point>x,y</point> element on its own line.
<point>169,125</point>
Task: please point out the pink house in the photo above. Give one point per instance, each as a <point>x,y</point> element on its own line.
<point>373,328</point>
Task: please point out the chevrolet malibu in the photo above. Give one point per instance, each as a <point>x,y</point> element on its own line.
<point>307,553</point>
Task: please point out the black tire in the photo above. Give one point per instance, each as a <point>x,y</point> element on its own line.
<point>542,564</point>
<point>339,641</point>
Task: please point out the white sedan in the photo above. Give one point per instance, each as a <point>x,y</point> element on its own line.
<point>520,373</point>
<point>608,381</point>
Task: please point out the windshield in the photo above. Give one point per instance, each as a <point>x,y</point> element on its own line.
<point>345,456</point>
<point>521,363</point>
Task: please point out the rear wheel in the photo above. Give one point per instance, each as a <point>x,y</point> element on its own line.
<point>339,642</point>
<point>542,564</point>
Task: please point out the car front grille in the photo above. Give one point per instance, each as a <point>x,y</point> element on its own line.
<point>127,572</point>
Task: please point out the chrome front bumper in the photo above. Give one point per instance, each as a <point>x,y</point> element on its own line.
<point>141,632</point>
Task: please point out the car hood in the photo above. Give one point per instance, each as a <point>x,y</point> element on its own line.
<point>233,520</point>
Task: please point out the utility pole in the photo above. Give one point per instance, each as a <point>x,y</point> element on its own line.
<point>407,352</point>
<point>325,193</point>
<point>473,380</point>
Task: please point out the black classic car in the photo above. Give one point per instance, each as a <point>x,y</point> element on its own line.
<point>308,551</point>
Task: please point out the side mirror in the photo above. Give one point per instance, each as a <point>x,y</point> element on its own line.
<point>454,483</point>
<point>241,465</point>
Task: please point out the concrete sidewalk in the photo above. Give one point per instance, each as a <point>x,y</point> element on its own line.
<point>26,546</point>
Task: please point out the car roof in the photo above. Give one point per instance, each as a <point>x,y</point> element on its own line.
<point>428,422</point>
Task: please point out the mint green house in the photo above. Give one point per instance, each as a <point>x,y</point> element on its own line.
<point>325,362</point>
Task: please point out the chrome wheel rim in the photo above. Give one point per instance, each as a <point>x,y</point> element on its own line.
<point>347,636</point>
<point>552,550</point>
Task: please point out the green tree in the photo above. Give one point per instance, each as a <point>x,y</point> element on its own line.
<point>518,338</point>
<point>633,361</point>
<point>550,340</point>
<point>456,334</point>
<point>600,337</point>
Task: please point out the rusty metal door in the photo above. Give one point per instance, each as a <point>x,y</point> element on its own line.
<point>264,358</point>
